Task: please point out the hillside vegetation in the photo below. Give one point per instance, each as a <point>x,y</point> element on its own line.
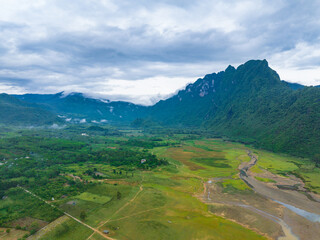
<point>16,112</point>
<point>251,104</point>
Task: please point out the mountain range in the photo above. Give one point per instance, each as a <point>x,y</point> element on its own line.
<point>16,112</point>
<point>76,107</point>
<point>249,103</point>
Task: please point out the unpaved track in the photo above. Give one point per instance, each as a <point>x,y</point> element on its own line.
<point>135,214</point>
<point>125,205</point>
<point>67,214</point>
<point>96,230</point>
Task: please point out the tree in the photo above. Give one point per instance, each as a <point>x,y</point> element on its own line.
<point>35,225</point>
<point>8,230</point>
<point>118,195</point>
<point>83,215</point>
<point>316,159</point>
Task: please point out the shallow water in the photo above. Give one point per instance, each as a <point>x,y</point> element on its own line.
<point>310,216</point>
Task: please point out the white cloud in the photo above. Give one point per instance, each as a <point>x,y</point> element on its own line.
<point>300,64</point>
<point>144,50</point>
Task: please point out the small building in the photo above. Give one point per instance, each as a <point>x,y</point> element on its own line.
<point>72,203</point>
<point>143,161</point>
<point>99,174</point>
<point>106,231</point>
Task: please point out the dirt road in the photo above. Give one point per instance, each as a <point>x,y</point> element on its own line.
<point>67,214</point>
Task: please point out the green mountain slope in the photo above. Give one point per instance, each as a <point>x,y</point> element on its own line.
<point>76,105</point>
<point>16,112</point>
<point>249,103</point>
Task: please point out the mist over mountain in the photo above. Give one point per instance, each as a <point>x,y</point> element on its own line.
<point>77,106</point>
<point>248,103</point>
<point>16,112</point>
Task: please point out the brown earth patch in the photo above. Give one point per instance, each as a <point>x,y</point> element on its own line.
<point>248,219</point>
<point>120,182</point>
<point>13,235</point>
<point>184,157</point>
<point>29,223</point>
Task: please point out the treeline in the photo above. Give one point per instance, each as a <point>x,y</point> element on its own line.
<point>23,204</point>
<point>148,144</point>
<point>128,157</point>
<point>34,161</point>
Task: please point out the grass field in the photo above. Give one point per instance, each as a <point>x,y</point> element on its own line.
<point>68,230</point>
<point>162,203</point>
<point>93,198</point>
<point>13,235</point>
<point>265,179</point>
<point>166,207</point>
<point>231,185</point>
<point>166,210</point>
<point>284,164</point>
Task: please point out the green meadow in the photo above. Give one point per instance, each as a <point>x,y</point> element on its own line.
<point>136,201</point>
<point>93,198</point>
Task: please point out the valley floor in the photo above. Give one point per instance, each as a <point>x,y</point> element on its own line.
<point>211,189</point>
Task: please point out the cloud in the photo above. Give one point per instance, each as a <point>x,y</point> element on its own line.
<point>143,51</point>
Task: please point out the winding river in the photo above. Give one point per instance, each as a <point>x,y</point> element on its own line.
<point>292,200</point>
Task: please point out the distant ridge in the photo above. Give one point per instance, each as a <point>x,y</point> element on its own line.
<point>248,103</point>
<point>78,106</point>
<point>296,86</point>
<point>16,112</point>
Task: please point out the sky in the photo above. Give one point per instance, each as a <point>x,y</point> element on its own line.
<point>142,51</point>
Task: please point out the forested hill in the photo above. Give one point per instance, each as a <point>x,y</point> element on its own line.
<point>77,106</point>
<point>16,112</point>
<point>249,103</point>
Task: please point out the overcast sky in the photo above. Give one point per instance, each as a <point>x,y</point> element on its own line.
<point>144,50</point>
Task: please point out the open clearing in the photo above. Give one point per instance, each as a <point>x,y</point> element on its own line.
<point>13,235</point>
<point>93,198</point>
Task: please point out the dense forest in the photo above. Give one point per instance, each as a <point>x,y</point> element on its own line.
<point>44,162</point>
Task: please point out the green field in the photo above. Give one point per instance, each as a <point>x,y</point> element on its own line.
<point>129,199</point>
<point>67,230</point>
<point>283,164</point>
<point>93,198</point>
<point>265,179</point>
